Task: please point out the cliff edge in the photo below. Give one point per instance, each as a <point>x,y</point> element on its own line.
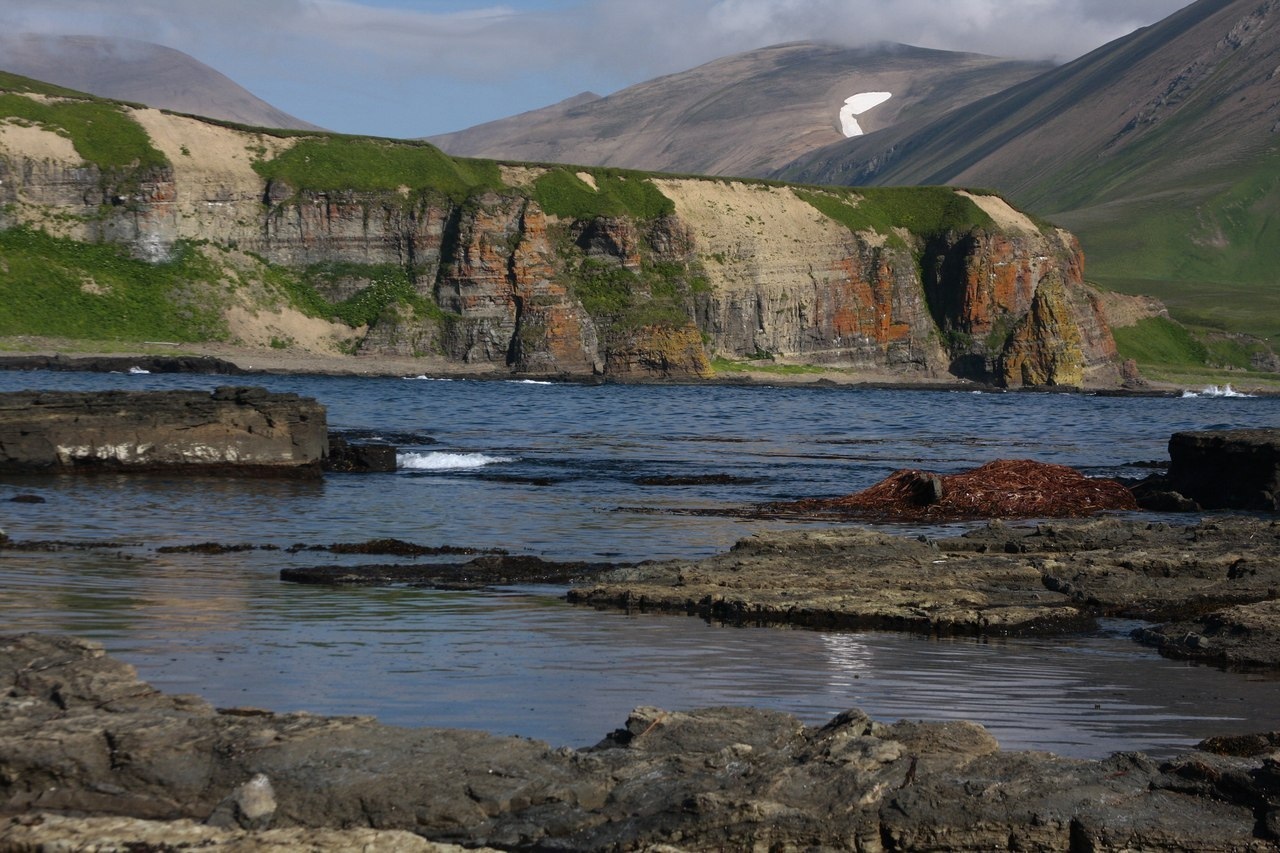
<point>118,222</point>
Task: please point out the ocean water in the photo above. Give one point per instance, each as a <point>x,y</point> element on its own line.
<point>584,472</point>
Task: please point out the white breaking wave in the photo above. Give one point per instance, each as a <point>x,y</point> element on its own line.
<point>138,371</point>
<point>530,382</point>
<point>442,461</point>
<point>1216,391</point>
<point>425,378</point>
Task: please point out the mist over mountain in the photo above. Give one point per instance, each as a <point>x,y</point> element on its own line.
<point>139,72</point>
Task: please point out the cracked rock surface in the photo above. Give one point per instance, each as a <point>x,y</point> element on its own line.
<point>82,740</point>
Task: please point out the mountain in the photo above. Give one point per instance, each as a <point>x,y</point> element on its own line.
<point>139,72</point>
<point>1161,150</point>
<point>746,114</point>
<point>128,223</point>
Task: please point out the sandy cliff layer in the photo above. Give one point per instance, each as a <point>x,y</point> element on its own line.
<point>498,281</point>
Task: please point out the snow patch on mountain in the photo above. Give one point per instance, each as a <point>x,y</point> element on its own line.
<point>856,106</point>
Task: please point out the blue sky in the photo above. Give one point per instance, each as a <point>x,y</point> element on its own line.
<point>409,68</point>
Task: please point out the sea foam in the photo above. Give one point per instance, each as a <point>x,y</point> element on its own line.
<point>443,461</point>
<point>1216,391</point>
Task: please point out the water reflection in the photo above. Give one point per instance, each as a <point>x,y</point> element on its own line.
<point>521,661</point>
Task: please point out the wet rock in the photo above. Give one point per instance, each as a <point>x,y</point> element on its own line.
<point>1227,469</point>
<point>122,364</point>
<point>234,430</point>
<point>27,499</point>
<point>349,458</point>
<point>80,735</point>
<point>484,571</point>
<point>1243,636</point>
<point>1001,579</point>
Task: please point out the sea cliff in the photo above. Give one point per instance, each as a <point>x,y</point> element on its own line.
<point>379,248</point>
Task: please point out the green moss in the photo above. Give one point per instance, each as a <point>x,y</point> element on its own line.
<point>102,133</point>
<point>334,163</point>
<point>388,284</point>
<point>560,192</point>
<point>924,211</point>
<point>63,288</point>
<point>724,365</point>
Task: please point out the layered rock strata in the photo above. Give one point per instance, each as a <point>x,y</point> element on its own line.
<point>495,281</point>
<point>232,430</point>
<point>81,735</point>
<point>996,580</point>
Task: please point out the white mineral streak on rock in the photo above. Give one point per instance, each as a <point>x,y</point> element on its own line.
<point>856,106</point>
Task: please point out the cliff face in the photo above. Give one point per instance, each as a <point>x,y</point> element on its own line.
<point>510,276</point>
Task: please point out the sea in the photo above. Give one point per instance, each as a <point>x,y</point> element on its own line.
<point>606,472</point>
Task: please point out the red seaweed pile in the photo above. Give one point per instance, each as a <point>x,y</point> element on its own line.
<point>1006,488</point>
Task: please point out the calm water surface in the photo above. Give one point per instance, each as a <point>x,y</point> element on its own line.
<point>558,471</point>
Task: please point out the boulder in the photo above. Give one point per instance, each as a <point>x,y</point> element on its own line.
<point>346,457</point>
<point>1227,469</point>
<point>231,431</point>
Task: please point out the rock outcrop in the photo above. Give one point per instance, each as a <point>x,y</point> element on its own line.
<point>81,735</point>
<point>543,270</point>
<point>1217,469</point>
<point>232,430</point>
<point>1227,469</point>
<point>996,580</point>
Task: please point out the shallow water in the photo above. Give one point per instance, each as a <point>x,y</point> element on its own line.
<point>542,469</point>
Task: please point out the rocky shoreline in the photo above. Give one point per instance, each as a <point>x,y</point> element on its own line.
<point>242,361</point>
<point>84,743</point>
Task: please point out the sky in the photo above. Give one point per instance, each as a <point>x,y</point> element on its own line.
<point>409,68</point>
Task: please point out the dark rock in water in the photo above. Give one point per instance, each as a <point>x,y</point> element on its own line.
<point>1227,469</point>
<point>348,458</point>
<point>81,735</point>
<point>234,430</point>
<point>695,480</point>
<point>123,363</point>
<point>1157,494</point>
<point>395,547</point>
<point>485,571</point>
<point>26,499</point>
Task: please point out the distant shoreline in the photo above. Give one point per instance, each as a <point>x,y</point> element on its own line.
<point>40,354</point>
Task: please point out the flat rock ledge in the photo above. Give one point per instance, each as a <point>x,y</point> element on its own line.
<point>1000,579</point>
<point>85,745</point>
<point>234,430</point>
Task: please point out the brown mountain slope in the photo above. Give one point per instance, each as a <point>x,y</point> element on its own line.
<point>139,72</point>
<point>747,114</point>
<point>1161,150</point>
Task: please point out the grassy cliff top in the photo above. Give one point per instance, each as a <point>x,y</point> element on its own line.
<point>106,134</point>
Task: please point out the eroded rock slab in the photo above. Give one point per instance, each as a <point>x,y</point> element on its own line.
<point>232,431</point>
<point>1247,636</point>
<point>1000,579</point>
<point>80,735</point>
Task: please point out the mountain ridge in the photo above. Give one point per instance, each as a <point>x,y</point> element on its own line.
<point>139,72</point>
<point>1160,149</point>
<point>746,114</point>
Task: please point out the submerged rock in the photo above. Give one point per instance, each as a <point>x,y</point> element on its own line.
<point>81,735</point>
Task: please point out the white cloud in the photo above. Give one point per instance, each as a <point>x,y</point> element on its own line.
<point>401,54</point>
